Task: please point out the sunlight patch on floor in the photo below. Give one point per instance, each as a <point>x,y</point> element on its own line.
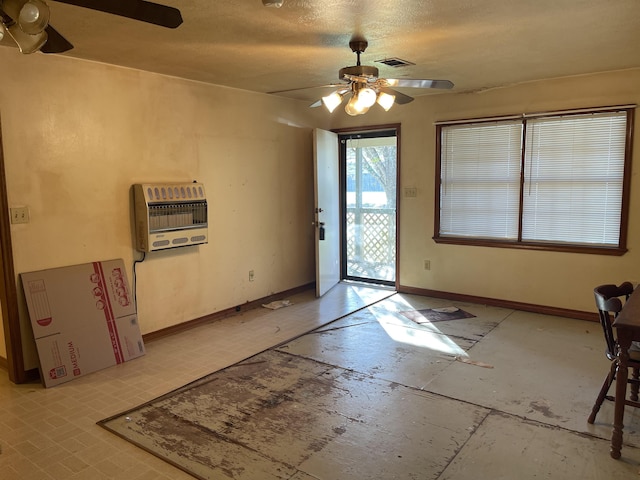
<point>425,335</point>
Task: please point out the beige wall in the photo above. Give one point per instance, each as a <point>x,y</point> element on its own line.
<point>77,135</point>
<point>543,278</point>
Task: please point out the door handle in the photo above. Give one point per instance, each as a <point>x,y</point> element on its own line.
<point>320,226</point>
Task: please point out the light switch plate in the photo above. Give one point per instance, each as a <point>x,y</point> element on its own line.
<point>19,214</point>
<point>410,192</point>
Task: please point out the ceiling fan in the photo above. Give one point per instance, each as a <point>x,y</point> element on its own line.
<point>27,21</point>
<point>364,87</point>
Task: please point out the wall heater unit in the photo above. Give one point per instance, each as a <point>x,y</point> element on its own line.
<point>170,215</point>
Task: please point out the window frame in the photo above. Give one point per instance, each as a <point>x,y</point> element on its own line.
<point>617,250</point>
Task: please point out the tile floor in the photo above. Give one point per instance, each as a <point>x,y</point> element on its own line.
<point>534,380</point>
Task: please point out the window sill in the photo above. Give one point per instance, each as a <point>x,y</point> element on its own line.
<point>550,247</point>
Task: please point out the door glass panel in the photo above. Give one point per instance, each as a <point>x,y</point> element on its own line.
<point>370,223</point>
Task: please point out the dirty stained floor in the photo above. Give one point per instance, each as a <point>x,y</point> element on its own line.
<point>502,394</point>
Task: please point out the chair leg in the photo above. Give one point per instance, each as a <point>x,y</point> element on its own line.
<point>603,392</point>
<point>635,374</point>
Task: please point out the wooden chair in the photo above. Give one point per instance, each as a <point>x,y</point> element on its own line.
<point>609,303</point>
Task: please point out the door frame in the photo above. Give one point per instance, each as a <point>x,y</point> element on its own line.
<point>372,129</point>
<point>8,285</point>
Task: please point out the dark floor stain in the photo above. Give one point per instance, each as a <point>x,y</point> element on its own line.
<point>276,399</point>
<point>543,409</point>
<point>339,430</point>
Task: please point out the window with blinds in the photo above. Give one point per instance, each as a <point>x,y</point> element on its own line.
<point>546,181</point>
<point>480,180</point>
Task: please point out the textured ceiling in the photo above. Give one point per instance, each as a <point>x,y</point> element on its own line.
<point>477,44</point>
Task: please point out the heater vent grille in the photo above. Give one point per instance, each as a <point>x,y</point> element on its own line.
<point>170,215</point>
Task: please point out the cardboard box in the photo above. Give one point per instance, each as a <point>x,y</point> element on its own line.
<point>83,318</point>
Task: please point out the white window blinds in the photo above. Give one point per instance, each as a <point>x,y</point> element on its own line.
<point>566,188</point>
<point>573,178</point>
<point>480,180</point>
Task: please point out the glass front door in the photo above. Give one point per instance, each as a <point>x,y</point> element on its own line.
<point>369,173</point>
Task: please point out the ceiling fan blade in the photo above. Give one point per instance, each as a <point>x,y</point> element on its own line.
<point>135,9</point>
<point>330,85</point>
<point>418,83</point>
<point>401,98</point>
<point>56,43</point>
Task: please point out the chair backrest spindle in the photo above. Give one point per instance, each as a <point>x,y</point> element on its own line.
<point>609,304</point>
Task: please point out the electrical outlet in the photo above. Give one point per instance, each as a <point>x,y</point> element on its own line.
<point>251,276</point>
<point>427,264</point>
<point>19,214</point>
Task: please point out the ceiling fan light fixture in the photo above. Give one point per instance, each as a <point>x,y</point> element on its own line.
<point>27,43</point>
<point>332,101</point>
<point>3,31</point>
<point>366,96</point>
<point>33,17</point>
<point>355,107</point>
<point>386,101</point>
<point>364,85</point>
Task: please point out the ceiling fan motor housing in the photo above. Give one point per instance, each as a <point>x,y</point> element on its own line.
<point>366,72</point>
<point>358,45</point>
